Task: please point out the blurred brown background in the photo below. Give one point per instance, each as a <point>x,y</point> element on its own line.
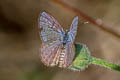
<point>20,42</point>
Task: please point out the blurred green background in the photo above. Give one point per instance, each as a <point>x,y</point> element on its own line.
<point>20,42</point>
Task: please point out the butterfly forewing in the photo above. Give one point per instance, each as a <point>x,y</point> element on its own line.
<point>73,29</point>
<point>51,29</point>
<point>47,20</point>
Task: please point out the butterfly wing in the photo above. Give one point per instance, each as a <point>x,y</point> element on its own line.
<point>52,36</point>
<point>69,47</point>
<point>73,29</point>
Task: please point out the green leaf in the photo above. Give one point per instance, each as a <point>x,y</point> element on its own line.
<point>82,57</point>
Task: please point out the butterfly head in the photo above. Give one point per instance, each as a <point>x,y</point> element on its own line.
<point>66,31</point>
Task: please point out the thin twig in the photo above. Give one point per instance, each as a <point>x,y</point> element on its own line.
<point>89,19</point>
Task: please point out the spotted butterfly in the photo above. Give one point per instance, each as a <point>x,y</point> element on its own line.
<point>57,47</point>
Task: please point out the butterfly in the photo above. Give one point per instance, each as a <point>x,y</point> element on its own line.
<point>57,48</point>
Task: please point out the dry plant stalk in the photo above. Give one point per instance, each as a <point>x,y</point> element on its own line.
<point>87,18</point>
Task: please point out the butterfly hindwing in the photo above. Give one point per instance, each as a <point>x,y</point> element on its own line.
<point>49,54</point>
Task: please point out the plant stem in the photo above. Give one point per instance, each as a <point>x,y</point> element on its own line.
<point>103,63</point>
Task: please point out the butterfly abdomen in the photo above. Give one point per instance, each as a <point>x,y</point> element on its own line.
<point>61,58</point>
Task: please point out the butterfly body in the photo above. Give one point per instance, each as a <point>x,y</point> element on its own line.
<point>65,39</point>
<point>57,47</point>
